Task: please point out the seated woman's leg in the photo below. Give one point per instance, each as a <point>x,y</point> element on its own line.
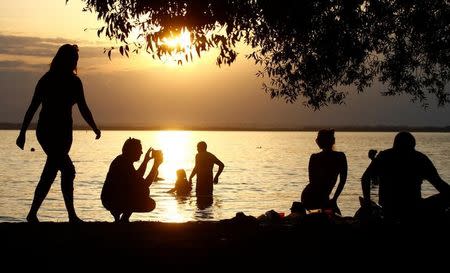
<point>314,199</point>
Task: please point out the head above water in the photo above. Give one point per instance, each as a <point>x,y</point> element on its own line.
<point>132,148</point>
<point>372,153</point>
<point>201,146</point>
<point>325,139</point>
<point>181,174</point>
<point>65,60</point>
<point>404,141</point>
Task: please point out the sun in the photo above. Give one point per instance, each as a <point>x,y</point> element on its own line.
<point>178,46</point>
<point>179,42</point>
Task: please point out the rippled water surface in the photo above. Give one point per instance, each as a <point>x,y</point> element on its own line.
<point>263,171</point>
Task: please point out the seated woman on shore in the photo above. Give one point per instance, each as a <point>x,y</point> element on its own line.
<point>125,189</point>
<point>324,169</point>
<point>182,185</point>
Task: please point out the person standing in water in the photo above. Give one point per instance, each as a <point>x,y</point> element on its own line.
<point>204,164</point>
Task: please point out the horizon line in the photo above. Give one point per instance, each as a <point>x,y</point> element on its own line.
<point>364,128</point>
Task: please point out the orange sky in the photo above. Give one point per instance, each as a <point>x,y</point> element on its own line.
<point>142,91</point>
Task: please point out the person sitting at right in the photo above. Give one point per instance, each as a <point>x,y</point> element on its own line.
<point>401,171</point>
<point>182,185</point>
<point>125,190</point>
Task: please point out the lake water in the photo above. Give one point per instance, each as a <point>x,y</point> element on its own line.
<point>263,171</point>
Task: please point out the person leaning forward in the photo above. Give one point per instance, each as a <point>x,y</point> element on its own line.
<point>125,190</point>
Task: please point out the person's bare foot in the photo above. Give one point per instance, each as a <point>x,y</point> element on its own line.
<point>75,220</point>
<point>32,219</point>
<point>116,216</point>
<point>124,219</point>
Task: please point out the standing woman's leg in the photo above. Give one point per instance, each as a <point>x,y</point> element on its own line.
<point>67,178</point>
<point>47,177</point>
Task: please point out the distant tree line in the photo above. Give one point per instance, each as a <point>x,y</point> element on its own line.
<point>309,51</point>
<point>341,128</point>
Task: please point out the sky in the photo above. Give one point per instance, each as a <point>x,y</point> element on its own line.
<point>141,91</point>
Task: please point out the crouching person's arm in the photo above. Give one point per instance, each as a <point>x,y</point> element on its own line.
<point>153,175</point>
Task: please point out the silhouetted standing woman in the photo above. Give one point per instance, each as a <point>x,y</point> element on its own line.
<point>324,169</point>
<point>57,91</point>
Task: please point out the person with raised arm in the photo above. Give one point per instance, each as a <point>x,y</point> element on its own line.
<point>125,190</point>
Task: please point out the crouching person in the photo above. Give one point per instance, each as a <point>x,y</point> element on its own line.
<point>125,189</point>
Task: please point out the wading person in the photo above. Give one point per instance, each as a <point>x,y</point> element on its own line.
<point>203,169</point>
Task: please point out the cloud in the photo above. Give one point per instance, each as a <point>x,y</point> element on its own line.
<point>18,65</point>
<point>43,47</point>
<point>29,46</point>
<point>26,53</point>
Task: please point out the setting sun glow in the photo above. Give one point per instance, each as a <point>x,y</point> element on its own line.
<point>178,152</point>
<point>179,46</point>
<point>179,42</point>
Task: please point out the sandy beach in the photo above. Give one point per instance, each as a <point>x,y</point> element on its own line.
<point>317,245</point>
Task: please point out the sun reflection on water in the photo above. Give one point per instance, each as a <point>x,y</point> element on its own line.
<point>178,152</point>
<point>179,149</point>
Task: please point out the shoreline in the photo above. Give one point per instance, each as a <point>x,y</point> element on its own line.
<point>312,246</point>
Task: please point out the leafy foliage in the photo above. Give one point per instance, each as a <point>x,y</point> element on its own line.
<point>311,51</point>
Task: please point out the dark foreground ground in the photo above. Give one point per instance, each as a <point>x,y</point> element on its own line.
<point>316,245</point>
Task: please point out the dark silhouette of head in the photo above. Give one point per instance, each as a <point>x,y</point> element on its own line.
<point>325,139</point>
<point>132,149</point>
<point>65,60</point>
<point>181,174</point>
<point>201,146</point>
<point>372,153</point>
<point>404,141</point>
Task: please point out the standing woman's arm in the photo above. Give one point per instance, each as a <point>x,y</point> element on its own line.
<point>342,178</point>
<point>84,110</point>
<point>34,105</point>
